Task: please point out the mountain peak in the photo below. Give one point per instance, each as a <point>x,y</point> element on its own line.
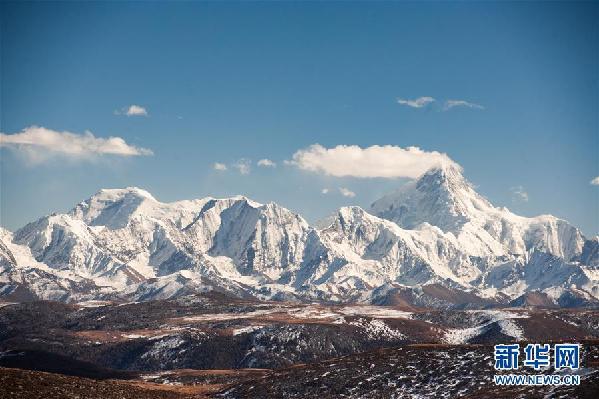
<point>448,171</point>
<point>108,194</point>
<point>448,176</point>
<point>441,197</point>
<point>112,207</point>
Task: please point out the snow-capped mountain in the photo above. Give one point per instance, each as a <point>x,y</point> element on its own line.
<point>443,198</point>
<point>434,232</point>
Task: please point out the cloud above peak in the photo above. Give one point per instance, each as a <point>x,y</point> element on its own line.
<point>219,166</point>
<point>449,104</point>
<point>375,161</point>
<point>419,102</point>
<point>132,110</point>
<point>39,143</point>
<point>267,163</point>
<point>425,101</point>
<point>347,192</point>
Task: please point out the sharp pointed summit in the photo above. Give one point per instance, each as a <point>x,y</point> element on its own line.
<point>441,197</point>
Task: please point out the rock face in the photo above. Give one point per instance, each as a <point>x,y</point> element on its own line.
<point>434,232</point>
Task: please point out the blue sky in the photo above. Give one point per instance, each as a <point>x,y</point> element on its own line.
<point>224,82</point>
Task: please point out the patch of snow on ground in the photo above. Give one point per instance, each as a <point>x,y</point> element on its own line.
<point>93,304</point>
<point>162,346</point>
<point>379,312</point>
<point>231,316</point>
<point>133,336</point>
<point>511,329</point>
<point>149,377</point>
<point>457,336</point>
<point>336,314</point>
<point>503,319</point>
<point>310,312</point>
<point>376,329</point>
<point>503,314</point>
<point>245,330</point>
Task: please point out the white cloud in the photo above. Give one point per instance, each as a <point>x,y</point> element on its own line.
<point>376,161</point>
<point>243,165</point>
<point>132,110</point>
<point>219,166</point>
<point>346,192</point>
<point>136,110</point>
<point>324,191</point>
<point>595,181</point>
<point>38,144</point>
<point>449,104</point>
<point>519,194</point>
<point>267,163</point>
<point>419,102</point>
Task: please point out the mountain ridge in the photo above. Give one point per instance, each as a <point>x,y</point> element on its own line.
<point>436,230</point>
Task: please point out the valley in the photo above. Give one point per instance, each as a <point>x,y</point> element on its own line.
<point>211,345</point>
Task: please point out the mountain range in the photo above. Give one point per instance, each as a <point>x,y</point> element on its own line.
<point>434,242</point>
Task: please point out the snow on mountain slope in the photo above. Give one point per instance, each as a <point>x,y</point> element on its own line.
<point>590,253</point>
<point>444,198</point>
<point>365,252</point>
<point>120,238</point>
<point>64,243</point>
<point>24,278</point>
<point>114,208</point>
<point>355,252</point>
<point>386,252</point>
<point>7,258</point>
<point>258,238</point>
<point>541,272</point>
<point>436,232</point>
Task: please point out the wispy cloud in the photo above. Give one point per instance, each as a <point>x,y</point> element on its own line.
<point>243,166</point>
<point>376,161</point>
<point>419,102</point>
<point>38,144</point>
<point>595,181</point>
<point>449,104</point>
<point>346,192</point>
<point>324,191</point>
<point>219,166</point>
<point>132,110</point>
<point>266,163</point>
<point>422,102</point>
<point>519,194</point>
